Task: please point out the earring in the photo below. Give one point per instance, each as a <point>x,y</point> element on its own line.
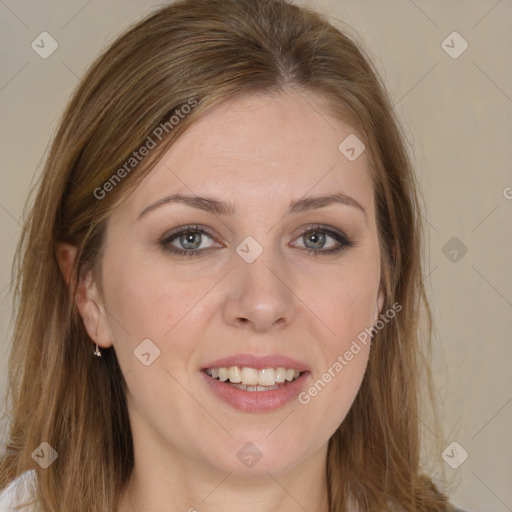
<point>97,351</point>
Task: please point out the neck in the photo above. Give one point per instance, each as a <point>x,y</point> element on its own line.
<point>194,490</point>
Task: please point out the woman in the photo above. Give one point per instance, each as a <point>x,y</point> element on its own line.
<point>279,366</point>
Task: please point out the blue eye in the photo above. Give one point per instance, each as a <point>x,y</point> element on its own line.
<point>317,235</point>
<point>191,237</point>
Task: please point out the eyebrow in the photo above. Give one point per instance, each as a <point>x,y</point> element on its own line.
<point>216,207</point>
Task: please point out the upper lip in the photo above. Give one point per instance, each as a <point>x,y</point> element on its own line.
<point>257,362</point>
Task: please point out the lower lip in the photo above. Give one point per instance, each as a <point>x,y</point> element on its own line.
<point>256,401</point>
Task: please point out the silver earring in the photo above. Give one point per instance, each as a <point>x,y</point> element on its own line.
<point>97,351</point>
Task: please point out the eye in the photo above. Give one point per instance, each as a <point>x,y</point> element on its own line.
<point>315,238</point>
<point>188,241</point>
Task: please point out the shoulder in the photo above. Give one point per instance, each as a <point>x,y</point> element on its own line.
<point>19,491</point>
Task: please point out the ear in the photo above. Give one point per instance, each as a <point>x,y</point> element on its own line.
<point>88,298</point>
<point>377,309</point>
<point>66,254</point>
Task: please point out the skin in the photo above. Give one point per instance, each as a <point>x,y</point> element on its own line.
<point>259,153</point>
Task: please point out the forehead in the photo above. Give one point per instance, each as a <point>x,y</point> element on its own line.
<point>259,148</point>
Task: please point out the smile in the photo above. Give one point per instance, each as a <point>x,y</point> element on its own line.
<point>251,394</point>
<point>252,379</point>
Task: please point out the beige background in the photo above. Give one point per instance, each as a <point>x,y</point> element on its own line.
<point>457,114</point>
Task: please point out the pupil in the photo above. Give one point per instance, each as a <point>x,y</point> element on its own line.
<point>189,239</point>
<point>318,239</point>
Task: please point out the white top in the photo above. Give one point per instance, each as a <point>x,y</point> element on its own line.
<point>18,492</point>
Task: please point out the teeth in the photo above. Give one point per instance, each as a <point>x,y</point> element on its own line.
<point>249,376</point>
<point>280,374</point>
<point>267,377</point>
<point>251,379</point>
<point>255,388</point>
<point>235,374</point>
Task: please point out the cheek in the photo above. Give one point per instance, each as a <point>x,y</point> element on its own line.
<point>152,304</point>
<point>146,302</point>
<point>149,299</point>
<point>344,355</point>
<point>347,300</point>
<point>346,305</point>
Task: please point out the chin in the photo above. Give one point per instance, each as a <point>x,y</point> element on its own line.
<point>259,457</point>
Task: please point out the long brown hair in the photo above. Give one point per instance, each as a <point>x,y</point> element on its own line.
<point>205,51</point>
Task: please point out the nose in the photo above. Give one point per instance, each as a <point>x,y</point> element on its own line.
<point>260,295</point>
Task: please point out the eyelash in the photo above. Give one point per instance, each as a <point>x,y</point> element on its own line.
<point>342,239</point>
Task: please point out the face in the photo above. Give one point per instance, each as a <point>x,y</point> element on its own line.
<point>259,277</point>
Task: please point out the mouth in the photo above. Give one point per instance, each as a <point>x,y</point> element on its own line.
<point>255,390</point>
<point>253,379</point>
